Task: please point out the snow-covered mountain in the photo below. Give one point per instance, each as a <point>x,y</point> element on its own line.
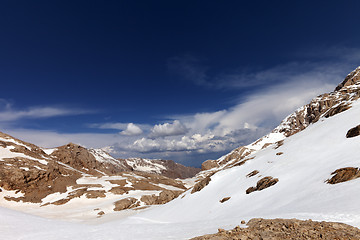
<point>52,182</point>
<point>307,167</point>
<point>167,168</point>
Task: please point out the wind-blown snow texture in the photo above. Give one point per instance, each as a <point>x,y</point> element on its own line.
<point>302,164</point>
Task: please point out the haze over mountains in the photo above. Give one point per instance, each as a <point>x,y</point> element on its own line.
<point>307,167</point>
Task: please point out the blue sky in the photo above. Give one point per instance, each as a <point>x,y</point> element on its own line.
<point>181,80</point>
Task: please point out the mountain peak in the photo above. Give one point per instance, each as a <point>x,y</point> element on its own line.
<point>350,79</point>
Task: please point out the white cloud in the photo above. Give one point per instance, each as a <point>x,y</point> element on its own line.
<point>132,130</point>
<point>8,113</point>
<point>168,129</point>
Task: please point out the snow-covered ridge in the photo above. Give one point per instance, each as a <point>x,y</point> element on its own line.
<point>146,165</point>
<point>323,106</point>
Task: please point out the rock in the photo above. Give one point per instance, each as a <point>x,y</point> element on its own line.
<point>353,132</point>
<point>200,185</point>
<point>265,183</point>
<point>164,197</point>
<point>262,184</point>
<point>279,229</point>
<point>209,164</point>
<point>126,203</point>
<point>95,194</point>
<point>344,175</point>
<point>224,199</point>
<point>253,173</point>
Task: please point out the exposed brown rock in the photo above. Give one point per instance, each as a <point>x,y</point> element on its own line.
<point>209,164</point>
<point>83,160</point>
<point>350,79</point>
<point>164,197</point>
<point>126,203</point>
<point>224,199</point>
<point>95,194</point>
<point>262,184</point>
<point>279,229</point>
<point>253,173</point>
<point>279,144</point>
<point>344,175</point>
<point>279,153</point>
<point>327,105</point>
<point>118,190</point>
<point>353,132</point>
<point>201,184</point>
<point>237,154</point>
<point>338,109</point>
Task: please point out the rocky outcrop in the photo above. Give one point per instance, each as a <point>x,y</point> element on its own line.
<point>279,229</point>
<point>344,175</point>
<point>164,197</point>
<point>350,79</point>
<point>209,164</point>
<point>201,184</point>
<point>327,105</point>
<point>262,184</point>
<point>253,173</point>
<point>353,132</point>
<point>126,203</point>
<point>84,160</point>
<point>224,199</point>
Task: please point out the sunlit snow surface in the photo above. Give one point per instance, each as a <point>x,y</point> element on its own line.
<point>309,157</point>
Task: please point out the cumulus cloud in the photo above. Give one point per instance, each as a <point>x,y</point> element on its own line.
<point>132,130</point>
<point>168,129</point>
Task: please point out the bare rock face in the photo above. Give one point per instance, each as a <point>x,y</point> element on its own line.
<point>262,184</point>
<point>253,173</point>
<point>209,164</point>
<point>201,184</point>
<point>126,203</point>
<point>353,132</point>
<point>344,175</point>
<point>279,229</point>
<point>350,79</point>
<point>84,160</point>
<point>327,105</point>
<point>164,197</point>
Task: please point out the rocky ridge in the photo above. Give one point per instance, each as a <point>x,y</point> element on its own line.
<point>30,174</point>
<point>323,106</point>
<point>167,168</point>
<point>278,229</point>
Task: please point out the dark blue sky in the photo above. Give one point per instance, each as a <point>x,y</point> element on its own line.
<point>71,67</point>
